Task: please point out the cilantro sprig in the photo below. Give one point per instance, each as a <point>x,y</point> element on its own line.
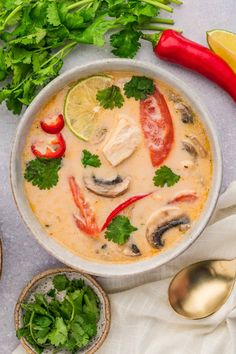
<point>119,230</point>
<point>65,320</point>
<point>37,35</point>
<point>110,97</point>
<point>139,87</point>
<point>90,159</point>
<point>165,176</point>
<point>43,173</point>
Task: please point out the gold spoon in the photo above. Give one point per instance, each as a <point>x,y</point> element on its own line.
<point>200,289</point>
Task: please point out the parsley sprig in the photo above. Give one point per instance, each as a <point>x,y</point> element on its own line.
<point>110,97</point>
<point>165,176</point>
<point>119,230</point>
<point>43,172</point>
<point>90,159</point>
<point>37,35</point>
<point>65,320</point>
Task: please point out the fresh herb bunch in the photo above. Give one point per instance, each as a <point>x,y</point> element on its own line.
<point>165,176</point>
<point>43,172</point>
<point>65,324</point>
<point>37,35</point>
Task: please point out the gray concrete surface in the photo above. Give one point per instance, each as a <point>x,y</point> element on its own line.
<point>23,257</point>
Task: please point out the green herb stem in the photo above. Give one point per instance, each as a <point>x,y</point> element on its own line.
<point>167,21</point>
<point>9,17</point>
<point>153,28</point>
<point>79,3</point>
<point>178,2</point>
<point>63,52</point>
<point>159,4</point>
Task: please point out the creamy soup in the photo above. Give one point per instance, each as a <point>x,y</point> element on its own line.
<point>132,143</point>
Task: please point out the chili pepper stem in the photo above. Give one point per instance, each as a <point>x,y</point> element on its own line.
<point>153,38</point>
<point>159,4</point>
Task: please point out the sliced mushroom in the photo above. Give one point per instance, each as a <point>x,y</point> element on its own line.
<point>186,113</point>
<point>110,188</point>
<point>189,147</point>
<point>198,146</point>
<point>162,221</point>
<point>132,250</point>
<point>99,136</point>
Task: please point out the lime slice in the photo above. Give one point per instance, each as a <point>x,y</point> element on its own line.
<point>223,43</point>
<point>81,107</point>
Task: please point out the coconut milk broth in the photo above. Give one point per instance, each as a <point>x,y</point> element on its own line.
<point>54,208</point>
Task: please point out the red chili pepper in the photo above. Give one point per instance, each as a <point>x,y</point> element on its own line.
<point>184,197</point>
<point>172,46</point>
<point>53,125</point>
<point>53,149</point>
<point>121,207</point>
<point>87,221</point>
<point>157,126</point>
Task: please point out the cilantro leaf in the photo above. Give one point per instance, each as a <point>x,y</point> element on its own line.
<point>59,334</point>
<point>60,282</point>
<point>94,34</point>
<point>126,43</point>
<point>139,87</point>
<point>119,230</point>
<point>89,159</point>
<point>110,97</point>
<point>43,172</point>
<point>51,293</point>
<point>53,15</point>
<point>165,176</point>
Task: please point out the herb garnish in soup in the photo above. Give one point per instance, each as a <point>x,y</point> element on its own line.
<point>117,167</point>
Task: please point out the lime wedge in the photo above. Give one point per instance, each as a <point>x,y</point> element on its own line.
<point>81,107</point>
<point>223,43</point>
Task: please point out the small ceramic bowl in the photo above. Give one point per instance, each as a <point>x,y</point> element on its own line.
<point>42,283</point>
<point>17,179</point>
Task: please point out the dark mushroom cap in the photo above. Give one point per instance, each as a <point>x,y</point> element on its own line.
<point>162,221</point>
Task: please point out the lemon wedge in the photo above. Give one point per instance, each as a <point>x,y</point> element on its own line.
<point>81,107</point>
<point>223,43</point>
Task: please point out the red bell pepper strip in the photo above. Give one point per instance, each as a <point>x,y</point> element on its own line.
<point>172,46</point>
<point>157,127</point>
<point>184,197</point>
<point>53,125</point>
<point>87,221</point>
<point>53,149</point>
<point>121,207</point>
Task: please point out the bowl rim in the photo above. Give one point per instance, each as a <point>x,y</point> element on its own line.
<point>60,252</point>
<point>107,310</point>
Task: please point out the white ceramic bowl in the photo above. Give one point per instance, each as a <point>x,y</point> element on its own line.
<point>17,178</point>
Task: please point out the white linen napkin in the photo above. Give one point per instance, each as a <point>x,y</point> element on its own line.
<point>143,321</point>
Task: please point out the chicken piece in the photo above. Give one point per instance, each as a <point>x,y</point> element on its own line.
<point>123,142</point>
